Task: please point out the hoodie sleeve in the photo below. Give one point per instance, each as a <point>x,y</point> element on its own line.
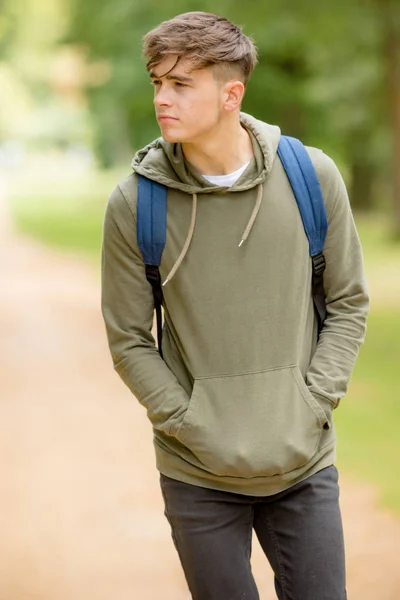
<point>127,307</point>
<point>346,292</point>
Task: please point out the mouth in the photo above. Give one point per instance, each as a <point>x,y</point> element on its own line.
<point>166,118</point>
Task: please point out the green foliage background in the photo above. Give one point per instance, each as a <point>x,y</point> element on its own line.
<point>328,73</point>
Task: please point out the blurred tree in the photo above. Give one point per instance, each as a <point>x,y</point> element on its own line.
<point>389,13</point>
<point>41,104</point>
<point>348,80</point>
<point>7,26</point>
<point>320,75</point>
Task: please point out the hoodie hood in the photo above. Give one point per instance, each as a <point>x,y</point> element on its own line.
<point>165,163</point>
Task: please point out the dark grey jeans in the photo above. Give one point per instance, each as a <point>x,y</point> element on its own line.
<point>300,531</point>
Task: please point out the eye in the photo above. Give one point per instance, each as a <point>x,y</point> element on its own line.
<point>180,84</point>
<point>155,82</point>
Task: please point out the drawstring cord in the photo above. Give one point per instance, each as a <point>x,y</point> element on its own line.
<point>253,215</point>
<point>187,243</point>
<point>192,225</point>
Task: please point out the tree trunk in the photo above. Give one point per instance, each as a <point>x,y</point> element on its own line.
<point>391,32</point>
<point>361,187</point>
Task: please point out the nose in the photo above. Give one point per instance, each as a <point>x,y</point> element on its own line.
<point>161,98</point>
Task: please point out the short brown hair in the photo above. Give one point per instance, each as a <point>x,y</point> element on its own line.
<point>206,40</point>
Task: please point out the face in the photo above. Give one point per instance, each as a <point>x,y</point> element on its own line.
<point>189,105</point>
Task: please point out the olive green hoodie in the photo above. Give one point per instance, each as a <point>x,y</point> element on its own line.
<point>243,399</point>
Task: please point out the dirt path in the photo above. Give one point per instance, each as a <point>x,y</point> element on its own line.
<point>80,510</point>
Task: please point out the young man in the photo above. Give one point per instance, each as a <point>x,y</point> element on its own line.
<point>241,403</point>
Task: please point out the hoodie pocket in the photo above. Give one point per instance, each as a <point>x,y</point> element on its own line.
<point>254,424</point>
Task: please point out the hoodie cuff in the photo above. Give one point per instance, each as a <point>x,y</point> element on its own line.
<point>327,405</point>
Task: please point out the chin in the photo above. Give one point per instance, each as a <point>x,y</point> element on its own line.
<point>175,137</point>
<point>171,138</point>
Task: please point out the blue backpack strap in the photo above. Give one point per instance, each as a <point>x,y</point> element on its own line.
<point>151,220</point>
<point>151,236</point>
<point>307,191</point>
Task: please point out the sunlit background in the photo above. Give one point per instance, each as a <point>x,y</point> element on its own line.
<point>80,510</point>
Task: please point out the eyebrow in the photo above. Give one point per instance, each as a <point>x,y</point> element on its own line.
<point>182,78</point>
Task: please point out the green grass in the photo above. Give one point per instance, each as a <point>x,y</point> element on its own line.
<point>78,231</point>
<point>379,246</point>
<point>65,213</point>
<point>368,418</point>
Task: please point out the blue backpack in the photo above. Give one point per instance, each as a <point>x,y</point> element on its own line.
<point>152,223</point>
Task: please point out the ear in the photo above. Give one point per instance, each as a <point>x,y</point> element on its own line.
<point>233,95</point>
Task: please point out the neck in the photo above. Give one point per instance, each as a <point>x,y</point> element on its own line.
<point>223,151</point>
